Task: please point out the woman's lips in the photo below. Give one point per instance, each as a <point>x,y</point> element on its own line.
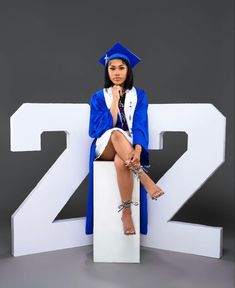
<point>116,79</point>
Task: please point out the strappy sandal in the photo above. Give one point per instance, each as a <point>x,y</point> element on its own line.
<point>156,195</point>
<point>124,205</point>
<point>137,172</point>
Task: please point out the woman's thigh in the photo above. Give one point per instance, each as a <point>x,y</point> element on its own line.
<point>108,153</point>
<point>117,140</point>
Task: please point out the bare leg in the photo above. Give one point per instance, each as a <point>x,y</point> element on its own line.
<point>124,175</point>
<point>119,149</point>
<point>108,153</point>
<point>125,184</point>
<point>124,179</point>
<point>120,145</point>
<point>117,144</point>
<point>123,148</point>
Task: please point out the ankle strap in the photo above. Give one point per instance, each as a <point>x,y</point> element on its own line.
<point>126,204</point>
<point>137,171</point>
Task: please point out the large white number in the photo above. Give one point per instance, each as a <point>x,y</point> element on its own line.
<point>205,127</point>
<point>33,229</point>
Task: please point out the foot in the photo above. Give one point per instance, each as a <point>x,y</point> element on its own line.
<point>153,190</point>
<point>157,194</point>
<point>128,225</point>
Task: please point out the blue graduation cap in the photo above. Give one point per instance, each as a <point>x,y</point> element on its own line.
<point>119,51</point>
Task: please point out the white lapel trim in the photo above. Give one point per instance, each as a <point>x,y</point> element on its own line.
<point>108,96</point>
<point>130,103</point>
<point>129,108</point>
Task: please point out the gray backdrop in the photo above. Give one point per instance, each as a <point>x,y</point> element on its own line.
<point>49,53</point>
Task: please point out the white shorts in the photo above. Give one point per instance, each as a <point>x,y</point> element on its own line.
<point>102,141</point>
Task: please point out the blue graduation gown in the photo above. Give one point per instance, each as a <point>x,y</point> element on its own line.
<point>100,121</point>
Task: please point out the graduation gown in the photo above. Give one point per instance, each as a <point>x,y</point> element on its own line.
<point>100,121</point>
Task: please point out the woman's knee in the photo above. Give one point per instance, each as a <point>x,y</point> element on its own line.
<point>116,136</point>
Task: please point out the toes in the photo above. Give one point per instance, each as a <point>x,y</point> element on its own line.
<point>128,227</point>
<point>157,195</point>
<point>129,232</point>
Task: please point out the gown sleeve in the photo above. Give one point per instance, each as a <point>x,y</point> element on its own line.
<point>100,116</point>
<point>141,137</point>
<point>140,122</point>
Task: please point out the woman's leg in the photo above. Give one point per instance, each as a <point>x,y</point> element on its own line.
<point>120,145</point>
<point>124,179</point>
<point>117,144</point>
<point>119,149</point>
<point>125,185</point>
<point>124,175</point>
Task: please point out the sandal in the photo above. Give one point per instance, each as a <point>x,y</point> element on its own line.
<point>137,172</point>
<point>156,195</point>
<point>124,205</point>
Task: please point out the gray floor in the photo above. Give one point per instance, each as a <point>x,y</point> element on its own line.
<point>72,268</point>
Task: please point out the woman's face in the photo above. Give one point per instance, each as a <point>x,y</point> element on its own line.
<point>117,70</point>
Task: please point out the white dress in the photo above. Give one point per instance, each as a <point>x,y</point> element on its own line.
<point>129,108</point>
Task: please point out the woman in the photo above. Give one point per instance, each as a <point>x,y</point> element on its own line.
<point>119,124</point>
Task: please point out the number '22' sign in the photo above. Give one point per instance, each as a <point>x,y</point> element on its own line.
<point>33,227</point>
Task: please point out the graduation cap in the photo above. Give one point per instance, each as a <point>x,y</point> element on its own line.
<point>119,51</point>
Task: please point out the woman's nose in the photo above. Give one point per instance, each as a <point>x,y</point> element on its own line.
<point>116,72</point>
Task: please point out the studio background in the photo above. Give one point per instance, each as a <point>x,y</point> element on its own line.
<point>49,53</point>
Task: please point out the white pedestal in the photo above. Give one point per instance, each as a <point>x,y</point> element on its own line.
<point>110,244</point>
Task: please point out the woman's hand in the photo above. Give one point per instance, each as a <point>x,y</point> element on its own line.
<point>134,157</point>
<point>117,92</point>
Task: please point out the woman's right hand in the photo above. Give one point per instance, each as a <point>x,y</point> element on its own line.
<point>117,92</point>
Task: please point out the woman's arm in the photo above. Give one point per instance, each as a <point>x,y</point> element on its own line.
<point>117,92</point>
<point>114,111</point>
<point>140,122</point>
<point>140,128</point>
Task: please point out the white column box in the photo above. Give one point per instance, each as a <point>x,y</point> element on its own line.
<point>110,244</point>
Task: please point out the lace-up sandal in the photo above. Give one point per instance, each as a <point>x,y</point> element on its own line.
<point>125,205</point>
<point>137,171</point>
<point>156,195</point>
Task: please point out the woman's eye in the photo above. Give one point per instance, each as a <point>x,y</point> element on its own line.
<point>120,68</point>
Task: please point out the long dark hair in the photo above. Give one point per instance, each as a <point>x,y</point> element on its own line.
<point>128,84</point>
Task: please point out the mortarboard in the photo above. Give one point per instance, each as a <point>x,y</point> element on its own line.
<point>119,51</point>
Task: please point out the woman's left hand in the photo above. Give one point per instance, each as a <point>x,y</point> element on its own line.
<point>134,157</point>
